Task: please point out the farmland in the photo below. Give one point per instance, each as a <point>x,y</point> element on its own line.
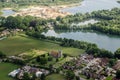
<point>21,43</point>
<point>5,68</point>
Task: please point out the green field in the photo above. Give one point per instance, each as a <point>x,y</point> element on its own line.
<point>22,43</point>
<point>55,77</point>
<point>5,68</point>
<point>109,78</point>
<point>58,64</point>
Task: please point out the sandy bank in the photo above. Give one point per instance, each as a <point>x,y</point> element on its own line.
<point>43,11</point>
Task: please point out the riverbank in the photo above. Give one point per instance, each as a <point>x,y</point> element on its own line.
<point>43,11</point>
<point>46,11</point>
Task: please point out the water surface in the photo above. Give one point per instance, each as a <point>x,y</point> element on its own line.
<point>111,43</point>
<point>93,5</point>
<point>8,12</point>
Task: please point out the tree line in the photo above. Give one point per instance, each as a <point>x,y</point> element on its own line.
<point>25,23</point>
<point>88,47</point>
<point>21,3</point>
<point>108,21</point>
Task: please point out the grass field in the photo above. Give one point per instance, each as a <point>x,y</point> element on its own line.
<point>109,78</point>
<point>58,64</point>
<point>32,54</point>
<point>22,43</point>
<point>5,68</point>
<point>55,77</point>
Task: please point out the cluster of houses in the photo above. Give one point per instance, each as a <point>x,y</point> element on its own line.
<point>78,62</point>
<point>87,65</point>
<point>7,32</point>
<point>96,68</point>
<point>19,73</point>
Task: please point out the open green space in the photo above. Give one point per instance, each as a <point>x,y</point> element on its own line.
<point>58,64</point>
<point>21,43</point>
<point>55,77</point>
<point>5,69</point>
<point>109,78</point>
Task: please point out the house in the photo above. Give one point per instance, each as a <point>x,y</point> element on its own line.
<point>14,73</point>
<point>117,65</point>
<point>38,73</point>
<point>56,54</point>
<point>19,73</point>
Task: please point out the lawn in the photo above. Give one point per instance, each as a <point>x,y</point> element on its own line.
<point>55,77</point>
<point>5,68</point>
<point>109,78</point>
<point>58,64</point>
<point>22,43</point>
<point>32,54</point>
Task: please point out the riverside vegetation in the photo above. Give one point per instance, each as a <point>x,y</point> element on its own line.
<point>21,3</point>
<point>109,23</point>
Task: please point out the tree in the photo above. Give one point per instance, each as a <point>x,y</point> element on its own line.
<point>77,78</point>
<point>112,62</point>
<point>33,77</point>
<point>43,60</point>
<point>2,55</point>
<point>51,68</point>
<point>64,55</point>
<point>42,77</point>
<point>13,22</point>
<point>38,59</point>
<point>118,74</point>
<point>70,75</point>
<point>26,76</point>
<point>50,58</point>
<point>117,53</point>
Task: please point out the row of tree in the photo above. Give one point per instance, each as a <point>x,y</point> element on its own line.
<point>90,48</point>
<point>108,21</point>
<point>24,23</point>
<point>21,3</point>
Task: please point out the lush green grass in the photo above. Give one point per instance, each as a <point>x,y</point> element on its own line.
<point>58,64</point>
<point>109,78</point>
<point>5,69</point>
<point>1,12</point>
<point>55,77</point>
<point>22,43</point>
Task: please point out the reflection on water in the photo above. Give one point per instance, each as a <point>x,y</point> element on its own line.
<point>7,12</point>
<point>110,43</point>
<point>92,5</point>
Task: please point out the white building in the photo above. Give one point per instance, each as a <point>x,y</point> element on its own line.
<point>39,73</point>
<point>14,73</point>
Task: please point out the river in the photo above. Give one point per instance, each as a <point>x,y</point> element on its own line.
<point>111,43</point>
<point>8,12</point>
<point>107,42</point>
<point>92,5</point>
